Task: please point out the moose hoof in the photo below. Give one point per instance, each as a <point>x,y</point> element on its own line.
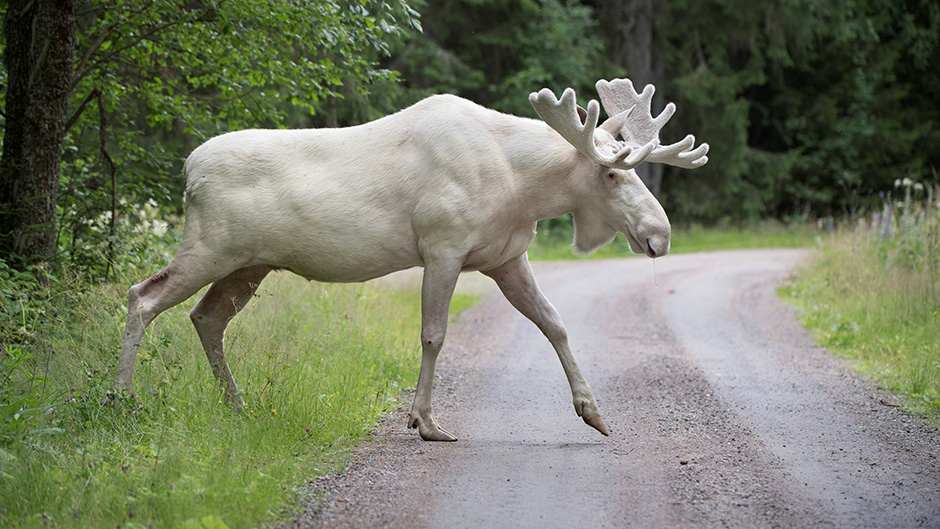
<point>586,408</point>
<point>429,430</point>
<point>597,423</point>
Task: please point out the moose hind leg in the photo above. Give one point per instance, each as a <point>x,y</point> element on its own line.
<point>147,299</point>
<point>225,298</point>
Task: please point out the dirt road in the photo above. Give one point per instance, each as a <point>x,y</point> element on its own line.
<point>722,413</point>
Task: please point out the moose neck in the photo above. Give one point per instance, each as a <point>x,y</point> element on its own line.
<point>544,165</point>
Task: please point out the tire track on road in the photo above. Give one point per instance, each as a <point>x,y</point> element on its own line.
<point>723,413</point>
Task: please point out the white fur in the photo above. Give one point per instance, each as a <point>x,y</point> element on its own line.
<point>445,184</point>
<point>356,203</point>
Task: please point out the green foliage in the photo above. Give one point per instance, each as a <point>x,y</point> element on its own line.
<point>808,105</point>
<point>318,365</point>
<point>172,73</point>
<point>21,302</point>
<point>811,107</point>
<point>875,299</point>
<point>497,51</point>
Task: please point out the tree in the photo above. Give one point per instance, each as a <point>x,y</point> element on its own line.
<point>40,37</point>
<point>809,105</point>
<point>630,29</point>
<point>161,76</point>
<point>495,52</point>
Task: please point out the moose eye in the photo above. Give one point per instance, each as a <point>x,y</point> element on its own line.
<point>611,175</point>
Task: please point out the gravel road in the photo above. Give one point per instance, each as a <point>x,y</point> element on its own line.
<point>722,411</point>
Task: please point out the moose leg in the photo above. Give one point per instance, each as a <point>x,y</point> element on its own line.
<point>147,299</point>
<point>440,277</point>
<point>221,303</point>
<point>517,283</point>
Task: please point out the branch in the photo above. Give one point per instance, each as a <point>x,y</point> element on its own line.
<point>91,51</point>
<point>97,44</point>
<point>106,157</point>
<point>26,8</point>
<point>37,65</point>
<point>80,74</point>
<point>81,108</point>
<point>90,11</point>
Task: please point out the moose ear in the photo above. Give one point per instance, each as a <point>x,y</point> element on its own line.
<point>614,124</point>
<point>582,114</point>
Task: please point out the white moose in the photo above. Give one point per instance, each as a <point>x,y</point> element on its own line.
<point>445,184</point>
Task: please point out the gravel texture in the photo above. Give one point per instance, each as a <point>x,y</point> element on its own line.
<point>723,413</point>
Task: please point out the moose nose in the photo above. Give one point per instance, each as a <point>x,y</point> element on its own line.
<point>657,247</point>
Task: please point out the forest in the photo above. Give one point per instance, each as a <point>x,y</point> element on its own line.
<point>812,107</point>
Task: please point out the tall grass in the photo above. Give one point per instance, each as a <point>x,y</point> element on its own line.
<point>318,365</point>
<point>873,296</point>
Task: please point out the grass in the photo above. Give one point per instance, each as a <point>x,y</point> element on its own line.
<point>556,247</point>
<point>318,365</point>
<point>876,303</point>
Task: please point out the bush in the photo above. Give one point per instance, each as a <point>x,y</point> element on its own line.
<point>872,296</point>
<point>318,365</point>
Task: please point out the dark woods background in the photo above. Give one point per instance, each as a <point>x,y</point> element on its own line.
<point>812,107</point>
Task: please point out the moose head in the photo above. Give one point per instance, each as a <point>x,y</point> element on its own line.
<point>614,198</point>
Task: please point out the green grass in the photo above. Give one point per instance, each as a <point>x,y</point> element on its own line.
<point>863,300</point>
<point>557,247</point>
<point>318,365</point>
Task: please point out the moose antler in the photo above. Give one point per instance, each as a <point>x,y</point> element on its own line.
<point>640,128</point>
<point>562,115</point>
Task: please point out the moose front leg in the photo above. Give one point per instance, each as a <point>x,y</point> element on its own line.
<point>517,283</point>
<point>440,277</point>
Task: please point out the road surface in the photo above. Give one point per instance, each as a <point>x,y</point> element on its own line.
<point>723,413</point>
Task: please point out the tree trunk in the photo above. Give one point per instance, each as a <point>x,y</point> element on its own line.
<point>629,27</point>
<point>40,39</point>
